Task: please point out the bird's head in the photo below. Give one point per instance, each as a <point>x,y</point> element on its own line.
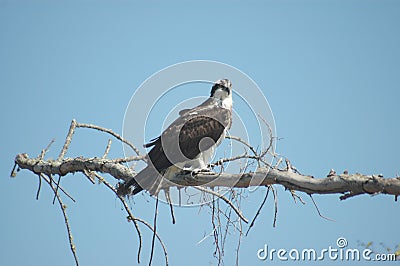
<point>222,91</point>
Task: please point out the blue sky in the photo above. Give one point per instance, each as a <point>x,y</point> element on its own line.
<point>329,69</point>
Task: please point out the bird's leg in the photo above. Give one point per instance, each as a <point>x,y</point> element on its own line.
<point>196,167</point>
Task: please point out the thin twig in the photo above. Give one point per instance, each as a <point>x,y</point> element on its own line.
<point>206,236</point>
<point>258,211</point>
<point>107,149</point>
<point>58,185</point>
<point>39,187</point>
<point>168,198</point>
<point>158,237</point>
<point>275,205</point>
<point>215,231</point>
<point>238,212</point>
<point>90,175</point>
<point>295,196</point>
<point>50,181</point>
<point>68,139</point>
<point>135,220</point>
<point>244,143</point>
<point>44,151</point>
<point>63,209</point>
<point>220,234</point>
<point>109,131</point>
<point>278,162</point>
<point>13,172</point>
<point>239,242</point>
<point>130,215</point>
<point>271,137</point>
<point>319,213</point>
<point>129,159</point>
<point>224,234</point>
<point>224,160</point>
<point>154,232</point>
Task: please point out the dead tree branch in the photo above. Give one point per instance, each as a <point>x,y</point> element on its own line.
<point>347,184</point>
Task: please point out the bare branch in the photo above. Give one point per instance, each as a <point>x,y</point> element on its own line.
<point>258,211</point>
<point>347,184</point>
<point>216,227</point>
<point>39,187</point>
<point>275,205</point>
<point>244,143</point>
<point>129,159</point>
<point>14,170</point>
<point>319,213</point>
<point>90,175</point>
<point>271,137</point>
<point>107,149</point>
<point>158,237</point>
<point>135,220</point>
<point>130,215</point>
<point>50,180</point>
<point>63,209</point>
<point>239,242</point>
<point>67,140</point>
<point>45,150</point>
<point>57,186</point>
<point>295,197</point>
<point>231,159</point>
<point>238,212</point>
<point>109,131</point>
<point>168,198</point>
<point>154,232</point>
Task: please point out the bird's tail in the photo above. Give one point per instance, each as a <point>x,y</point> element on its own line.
<point>148,179</point>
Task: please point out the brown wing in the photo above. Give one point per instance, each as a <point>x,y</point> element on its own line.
<point>180,141</point>
<point>199,134</point>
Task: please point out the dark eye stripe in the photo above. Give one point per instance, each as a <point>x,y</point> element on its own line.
<point>217,86</point>
<point>223,84</point>
<point>225,89</point>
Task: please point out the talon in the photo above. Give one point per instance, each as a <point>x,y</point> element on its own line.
<point>201,171</point>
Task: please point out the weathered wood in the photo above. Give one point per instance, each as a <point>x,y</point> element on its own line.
<point>347,184</point>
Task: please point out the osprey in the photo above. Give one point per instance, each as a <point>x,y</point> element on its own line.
<point>188,143</point>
